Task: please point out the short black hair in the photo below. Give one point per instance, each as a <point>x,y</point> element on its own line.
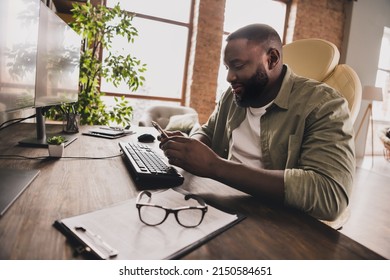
<point>260,33</point>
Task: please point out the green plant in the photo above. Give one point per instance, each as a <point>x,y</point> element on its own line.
<point>55,140</point>
<point>98,25</point>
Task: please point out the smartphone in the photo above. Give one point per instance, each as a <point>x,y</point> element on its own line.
<point>156,126</point>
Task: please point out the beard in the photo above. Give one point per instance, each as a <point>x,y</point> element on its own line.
<point>252,90</point>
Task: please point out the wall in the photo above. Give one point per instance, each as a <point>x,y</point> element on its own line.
<point>205,56</point>
<point>323,19</point>
<point>365,35</point>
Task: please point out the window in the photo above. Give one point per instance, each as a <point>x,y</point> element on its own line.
<point>161,44</point>
<point>381,110</point>
<point>244,12</point>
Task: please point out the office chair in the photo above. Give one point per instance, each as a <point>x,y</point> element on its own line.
<point>171,117</point>
<point>318,59</point>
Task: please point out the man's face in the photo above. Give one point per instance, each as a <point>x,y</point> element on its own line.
<point>246,72</point>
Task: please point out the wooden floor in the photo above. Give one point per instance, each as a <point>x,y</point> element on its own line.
<point>369,223</point>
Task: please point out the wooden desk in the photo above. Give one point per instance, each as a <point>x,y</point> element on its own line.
<point>68,187</point>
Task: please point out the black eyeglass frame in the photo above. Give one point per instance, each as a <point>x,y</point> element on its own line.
<point>202,206</point>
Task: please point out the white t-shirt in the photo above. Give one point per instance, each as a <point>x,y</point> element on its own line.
<point>245,141</point>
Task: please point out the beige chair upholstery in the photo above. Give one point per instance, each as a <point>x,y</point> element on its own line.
<point>162,115</point>
<point>319,60</point>
<point>311,58</point>
<point>346,81</point>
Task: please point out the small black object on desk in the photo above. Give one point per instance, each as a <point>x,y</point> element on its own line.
<point>146,138</point>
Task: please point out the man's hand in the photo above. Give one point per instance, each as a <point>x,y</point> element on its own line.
<point>191,155</point>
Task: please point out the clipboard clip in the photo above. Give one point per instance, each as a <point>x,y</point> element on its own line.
<point>97,244</point>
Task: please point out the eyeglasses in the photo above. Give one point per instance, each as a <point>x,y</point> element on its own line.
<point>187,216</point>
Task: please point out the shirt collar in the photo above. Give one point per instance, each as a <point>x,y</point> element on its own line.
<point>282,99</point>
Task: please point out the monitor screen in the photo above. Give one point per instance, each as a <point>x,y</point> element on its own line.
<point>18,51</point>
<point>58,59</point>
<point>39,62</point>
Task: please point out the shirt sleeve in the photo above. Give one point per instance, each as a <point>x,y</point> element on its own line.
<point>322,182</point>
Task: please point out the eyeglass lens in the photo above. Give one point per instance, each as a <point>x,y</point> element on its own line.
<point>190,217</point>
<point>152,215</point>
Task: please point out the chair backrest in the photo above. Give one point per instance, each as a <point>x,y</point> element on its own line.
<point>318,59</point>
<point>162,114</point>
<point>311,58</point>
<point>347,82</point>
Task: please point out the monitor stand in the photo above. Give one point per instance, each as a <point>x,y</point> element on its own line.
<point>40,140</point>
<point>13,182</point>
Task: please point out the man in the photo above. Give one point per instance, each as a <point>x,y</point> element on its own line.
<point>273,134</point>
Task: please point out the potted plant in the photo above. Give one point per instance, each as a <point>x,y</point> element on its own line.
<point>98,25</point>
<point>56,145</point>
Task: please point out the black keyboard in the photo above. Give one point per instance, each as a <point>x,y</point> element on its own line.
<point>147,168</point>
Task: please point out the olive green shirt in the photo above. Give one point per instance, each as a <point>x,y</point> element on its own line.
<point>307,132</point>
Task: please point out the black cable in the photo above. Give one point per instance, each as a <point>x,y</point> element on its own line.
<point>19,157</point>
<point>15,121</point>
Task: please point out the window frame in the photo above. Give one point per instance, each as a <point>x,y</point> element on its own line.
<point>189,25</point>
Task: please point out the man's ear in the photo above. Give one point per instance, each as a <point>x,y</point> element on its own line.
<point>273,58</point>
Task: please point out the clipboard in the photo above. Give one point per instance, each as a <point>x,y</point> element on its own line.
<point>116,232</point>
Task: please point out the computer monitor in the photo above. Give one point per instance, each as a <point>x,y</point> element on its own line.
<point>39,68</point>
<point>39,60</point>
